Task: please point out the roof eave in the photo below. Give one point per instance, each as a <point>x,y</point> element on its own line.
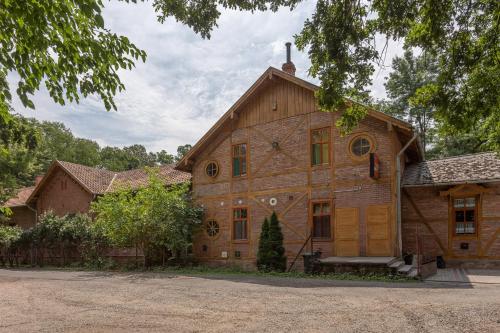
<point>477,181</point>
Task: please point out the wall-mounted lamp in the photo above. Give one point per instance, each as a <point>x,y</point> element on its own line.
<point>276,145</point>
<point>275,106</point>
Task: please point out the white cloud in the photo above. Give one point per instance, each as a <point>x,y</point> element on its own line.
<point>187,83</point>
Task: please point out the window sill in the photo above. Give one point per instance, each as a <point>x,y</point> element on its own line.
<point>320,166</point>
<point>322,239</point>
<point>465,236</point>
<point>240,241</point>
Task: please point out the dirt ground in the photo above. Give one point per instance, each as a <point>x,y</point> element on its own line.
<point>55,301</point>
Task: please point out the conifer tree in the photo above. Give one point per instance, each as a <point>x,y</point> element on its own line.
<point>277,259</point>
<point>263,252</point>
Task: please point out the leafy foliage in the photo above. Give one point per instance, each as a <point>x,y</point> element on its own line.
<point>410,73</point>
<point>149,218</point>
<point>463,36</point>
<point>17,147</point>
<point>28,147</point>
<point>54,236</point>
<point>271,253</point>
<point>65,45</point>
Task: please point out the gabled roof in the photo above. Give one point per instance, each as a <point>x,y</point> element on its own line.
<point>139,177</point>
<point>20,199</point>
<point>99,181</point>
<point>268,74</point>
<point>473,168</point>
<point>94,180</point>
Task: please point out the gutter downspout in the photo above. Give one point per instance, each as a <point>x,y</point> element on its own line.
<point>398,191</point>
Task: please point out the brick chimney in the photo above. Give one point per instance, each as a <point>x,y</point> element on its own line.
<point>288,66</point>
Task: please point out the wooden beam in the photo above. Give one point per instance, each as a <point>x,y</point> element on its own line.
<point>424,221</point>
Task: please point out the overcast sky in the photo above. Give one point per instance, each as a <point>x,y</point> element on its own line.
<point>187,83</point>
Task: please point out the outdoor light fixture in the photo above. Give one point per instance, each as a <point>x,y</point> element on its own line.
<point>276,145</point>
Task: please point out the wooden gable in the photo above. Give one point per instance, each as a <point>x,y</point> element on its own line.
<point>275,99</point>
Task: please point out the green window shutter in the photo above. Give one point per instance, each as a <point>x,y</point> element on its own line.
<point>236,167</point>
<point>316,154</point>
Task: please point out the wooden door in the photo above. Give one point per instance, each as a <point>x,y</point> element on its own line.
<point>378,231</point>
<point>347,232</point>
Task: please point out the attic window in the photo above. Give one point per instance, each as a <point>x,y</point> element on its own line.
<point>212,169</point>
<point>360,146</point>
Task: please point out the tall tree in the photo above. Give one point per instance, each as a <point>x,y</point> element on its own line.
<point>65,45</point>
<point>410,73</point>
<point>163,157</point>
<point>182,150</point>
<point>464,35</point>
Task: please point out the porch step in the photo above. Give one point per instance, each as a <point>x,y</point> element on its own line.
<point>397,264</point>
<point>413,273</point>
<point>405,269</point>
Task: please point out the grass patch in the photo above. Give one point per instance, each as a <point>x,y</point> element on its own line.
<point>201,270</point>
<point>237,271</point>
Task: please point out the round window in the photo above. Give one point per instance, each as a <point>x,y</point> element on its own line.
<point>361,146</point>
<point>212,228</point>
<point>212,169</point>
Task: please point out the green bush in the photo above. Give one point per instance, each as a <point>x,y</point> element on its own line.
<point>271,253</point>
<point>8,237</point>
<point>155,218</point>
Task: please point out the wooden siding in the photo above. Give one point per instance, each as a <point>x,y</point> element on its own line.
<point>290,100</point>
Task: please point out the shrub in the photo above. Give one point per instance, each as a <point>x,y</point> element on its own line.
<point>151,218</point>
<point>8,237</point>
<point>271,253</point>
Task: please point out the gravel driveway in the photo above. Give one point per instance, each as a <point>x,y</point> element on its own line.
<point>55,301</point>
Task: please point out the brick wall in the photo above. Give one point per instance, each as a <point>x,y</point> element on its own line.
<point>286,175</point>
<point>23,217</point>
<point>63,195</point>
<point>435,212</point>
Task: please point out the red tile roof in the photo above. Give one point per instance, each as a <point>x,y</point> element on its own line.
<point>139,177</point>
<point>100,181</point>
<point>20,199</point>
<point>94,179</point>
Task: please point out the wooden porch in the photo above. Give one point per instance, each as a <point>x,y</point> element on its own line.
<point>392,265</point>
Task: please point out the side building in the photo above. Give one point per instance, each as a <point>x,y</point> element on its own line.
<point>69,188</point>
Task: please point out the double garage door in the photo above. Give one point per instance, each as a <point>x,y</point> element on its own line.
<point>347,232</point>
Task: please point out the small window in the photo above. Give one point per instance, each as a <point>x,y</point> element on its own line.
<point>212,169</point>
<point>239,160</point>
<point>212,228</point>
<point>240,219</point>
<point>320,146</point>
<point>464,215</point>
<point>321,220</point>
<point>360,146</point>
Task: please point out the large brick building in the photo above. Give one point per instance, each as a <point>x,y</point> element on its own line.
<point>69,188</point>
<point>274,151</point>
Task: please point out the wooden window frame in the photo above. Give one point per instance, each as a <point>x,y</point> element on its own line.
<point>208,220</point>
<point>239,158</point>
<point>464,209</point>
<point>217,168</point>
<point>354,139</point>
<point>233,220</point>
<point>330,203</point>
<point>323,163</point>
